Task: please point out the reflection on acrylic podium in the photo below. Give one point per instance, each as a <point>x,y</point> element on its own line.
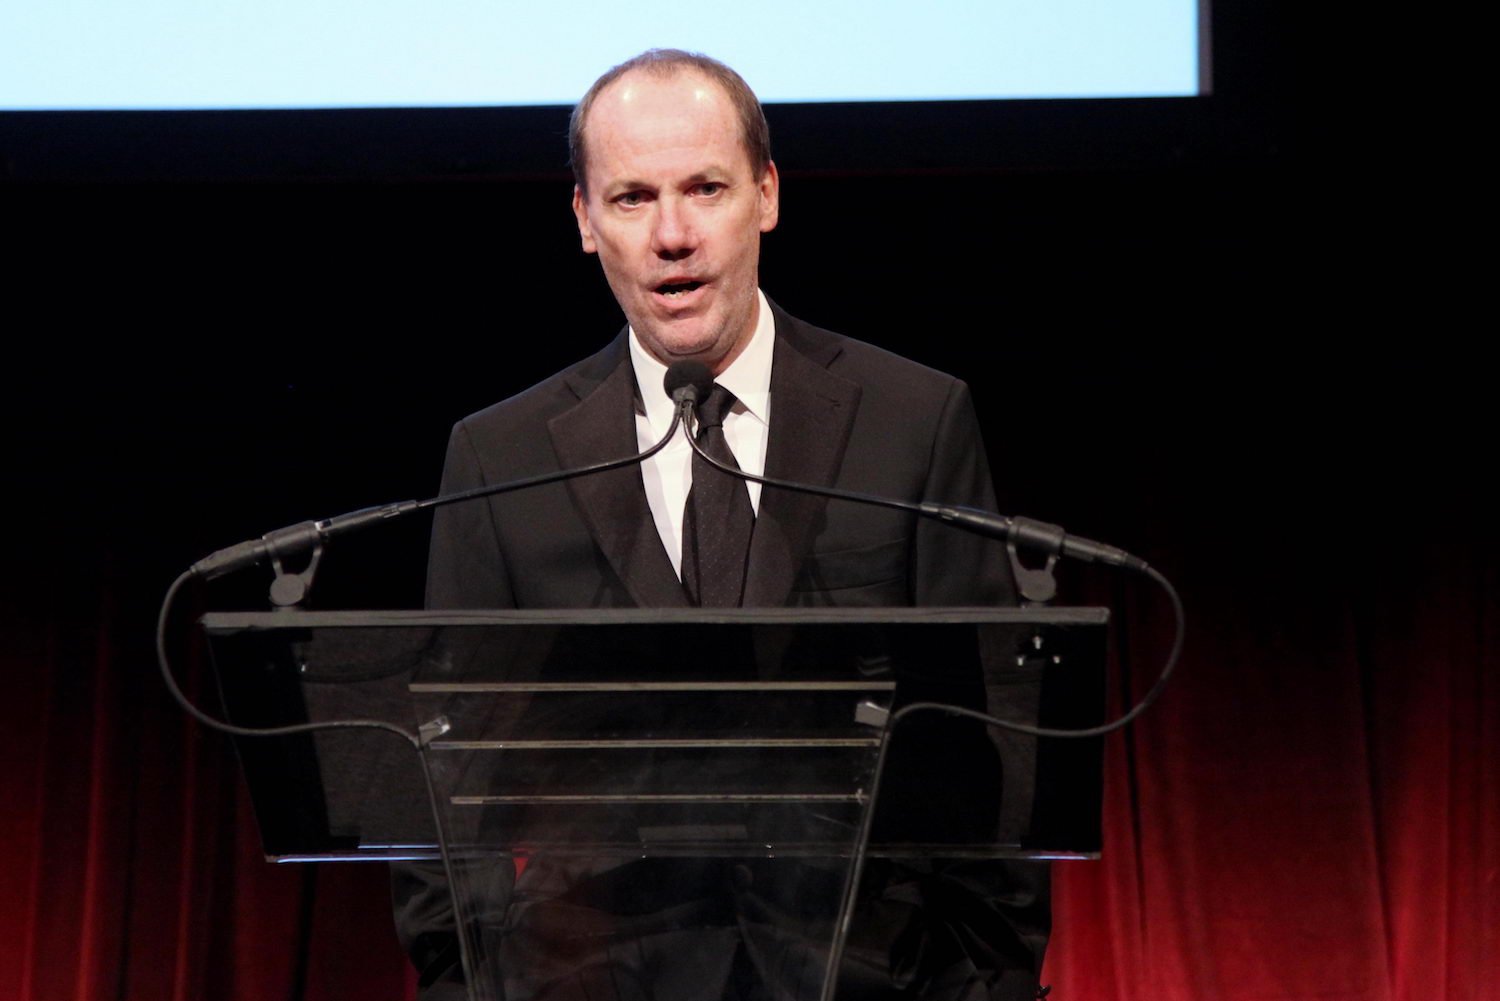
<point>666,801</point>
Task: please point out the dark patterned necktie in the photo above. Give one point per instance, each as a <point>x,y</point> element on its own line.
<point>718,519</point>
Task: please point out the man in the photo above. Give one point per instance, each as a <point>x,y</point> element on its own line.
<point>674,187</point>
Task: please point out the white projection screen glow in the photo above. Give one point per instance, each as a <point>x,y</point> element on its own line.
<point>207,54</point>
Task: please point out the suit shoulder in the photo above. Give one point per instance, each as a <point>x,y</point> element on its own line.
<point>881,374</point>
<point>849,354</point>
<point>540,403</point>
<point>871,358</point>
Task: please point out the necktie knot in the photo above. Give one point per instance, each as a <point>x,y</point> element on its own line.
<point>712,411</point>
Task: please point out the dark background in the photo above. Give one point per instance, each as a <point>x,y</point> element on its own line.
<point>1211,331</point>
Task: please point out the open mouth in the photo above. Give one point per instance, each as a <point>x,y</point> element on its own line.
<point>673,290</point>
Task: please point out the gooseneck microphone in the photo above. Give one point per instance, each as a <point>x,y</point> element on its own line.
<point>296,541</point>
<point>689,382</point>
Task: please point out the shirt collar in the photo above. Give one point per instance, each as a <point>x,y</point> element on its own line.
<point>748,377</point>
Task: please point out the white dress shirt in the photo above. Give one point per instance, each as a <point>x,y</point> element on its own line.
<point>668,475</point>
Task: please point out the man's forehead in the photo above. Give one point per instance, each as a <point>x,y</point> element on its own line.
<point>646,119</point>
<point>642,91</point>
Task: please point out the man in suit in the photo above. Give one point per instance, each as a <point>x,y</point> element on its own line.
<point>675,186</point>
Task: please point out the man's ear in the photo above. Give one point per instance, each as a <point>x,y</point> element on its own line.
<point>581,213</point>
<point>769,188</point>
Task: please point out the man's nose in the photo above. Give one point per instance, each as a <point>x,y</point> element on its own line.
<point>673,237</point>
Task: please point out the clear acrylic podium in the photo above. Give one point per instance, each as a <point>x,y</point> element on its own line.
<point>661,797</point>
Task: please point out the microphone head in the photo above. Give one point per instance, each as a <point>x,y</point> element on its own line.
<point>688,381</point>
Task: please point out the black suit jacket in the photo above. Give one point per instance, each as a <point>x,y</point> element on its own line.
<point>844,414</point>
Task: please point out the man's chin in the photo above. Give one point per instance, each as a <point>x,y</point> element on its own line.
<point>674,346</point>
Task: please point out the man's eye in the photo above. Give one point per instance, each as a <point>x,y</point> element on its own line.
<point>710,188</point>
<point>631,199</point>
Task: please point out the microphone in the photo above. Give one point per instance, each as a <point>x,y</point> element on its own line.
<point>688,383</point>
<point>1027,533</point>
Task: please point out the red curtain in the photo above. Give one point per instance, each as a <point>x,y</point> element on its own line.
<point>132,860</point>
<point>1313,810</point>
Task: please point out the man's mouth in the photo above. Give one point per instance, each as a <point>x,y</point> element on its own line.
<point>674,290</point>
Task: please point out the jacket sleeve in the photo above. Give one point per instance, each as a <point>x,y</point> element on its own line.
<point>995,913</point>
<point>465,565</point>
<point>951,566</point>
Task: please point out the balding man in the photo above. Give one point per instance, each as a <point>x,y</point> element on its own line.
<point>674,187</point>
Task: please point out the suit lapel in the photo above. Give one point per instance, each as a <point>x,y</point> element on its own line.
<point>812,411</point>
<point>613,504</point>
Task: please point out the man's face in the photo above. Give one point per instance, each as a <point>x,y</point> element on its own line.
<point>675,214</point>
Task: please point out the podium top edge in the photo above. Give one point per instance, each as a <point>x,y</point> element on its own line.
<point>229,622</point>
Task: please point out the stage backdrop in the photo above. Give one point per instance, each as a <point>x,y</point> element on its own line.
<point>1197,362</point>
